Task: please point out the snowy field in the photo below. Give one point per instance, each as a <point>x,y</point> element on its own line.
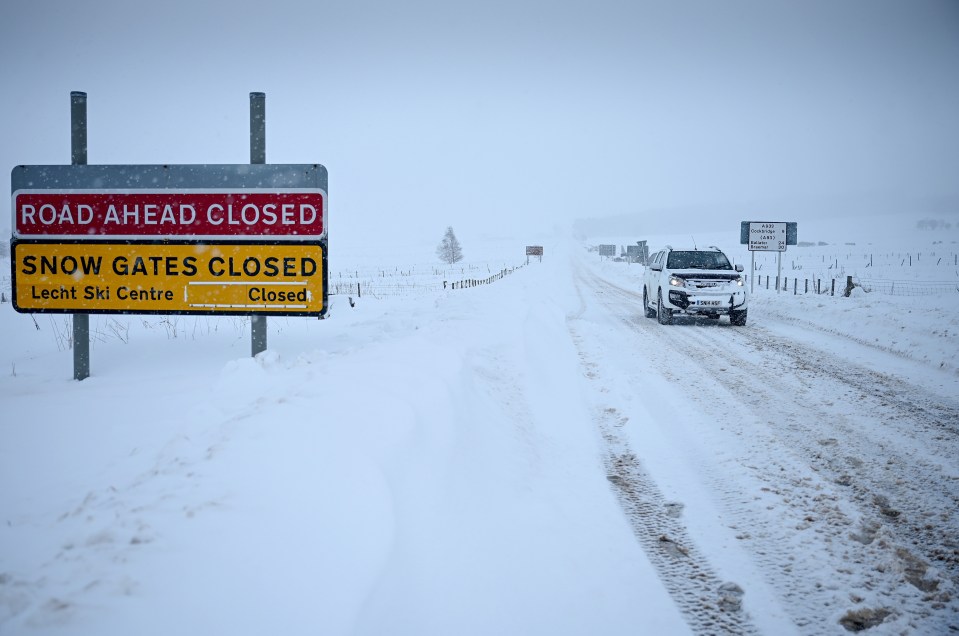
<point>530,456</point>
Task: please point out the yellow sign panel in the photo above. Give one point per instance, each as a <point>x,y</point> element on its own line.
<point>240,278</point>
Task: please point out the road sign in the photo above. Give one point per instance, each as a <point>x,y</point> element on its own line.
<point>767,236</point>
<point>171,239</point>
<point>239,277</point>
<point>534,250</point>
<point>607,250</point>
<point>638,253</point>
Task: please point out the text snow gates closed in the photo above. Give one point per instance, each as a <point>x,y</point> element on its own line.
<point>237,278</point>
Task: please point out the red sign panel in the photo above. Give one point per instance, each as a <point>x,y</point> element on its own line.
<point>183,214</point>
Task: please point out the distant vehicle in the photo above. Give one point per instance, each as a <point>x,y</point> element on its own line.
<point>695,282</point>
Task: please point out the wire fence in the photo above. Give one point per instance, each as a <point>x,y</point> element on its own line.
<point>386,284</point>
<point>907,287</point>
<point>842,286</point>
<point>881,265</point>
<point>796,285</point>
<point>384,289</point>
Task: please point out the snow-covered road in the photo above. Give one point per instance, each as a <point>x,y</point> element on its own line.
<point>532,456</point>
<point>827,465</point>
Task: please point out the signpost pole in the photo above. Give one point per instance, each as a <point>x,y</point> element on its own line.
<point>779,271</point>
<point>78,147</point>
<point>752,272</point>
<point>768,237</point>
<point>258,155</point>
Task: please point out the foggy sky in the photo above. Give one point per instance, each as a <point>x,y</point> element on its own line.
<point>506,117</point>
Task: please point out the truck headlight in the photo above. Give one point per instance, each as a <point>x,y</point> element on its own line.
<point>676,281</point>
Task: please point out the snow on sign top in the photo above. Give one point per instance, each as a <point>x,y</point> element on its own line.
<point>280,202</point>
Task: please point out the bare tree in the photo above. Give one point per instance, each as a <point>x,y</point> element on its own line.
<point>449,250</point>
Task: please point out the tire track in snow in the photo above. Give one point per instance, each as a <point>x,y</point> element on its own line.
<point>868,489</point>
<point>709,604</point>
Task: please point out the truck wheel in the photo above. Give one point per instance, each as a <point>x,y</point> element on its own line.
<point>650,312</point>
<point>663,315</point>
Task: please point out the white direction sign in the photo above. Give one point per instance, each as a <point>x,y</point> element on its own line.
<point>767,237</point>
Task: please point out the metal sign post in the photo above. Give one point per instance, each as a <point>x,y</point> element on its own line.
<point>258,155</point>
<point>534,250</point>
<point>767,236</point>
<point>165,239</point>
<point>78,145</point>
<point>242,240</point>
